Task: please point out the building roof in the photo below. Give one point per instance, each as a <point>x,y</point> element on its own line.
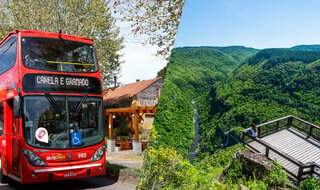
<point>128,90</point>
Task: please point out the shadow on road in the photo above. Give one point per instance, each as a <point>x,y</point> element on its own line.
<point>72,184</point>
<point>109,181</point>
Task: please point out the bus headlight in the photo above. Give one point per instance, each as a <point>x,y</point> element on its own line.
<point>33,158</point>
<point>98,154</point>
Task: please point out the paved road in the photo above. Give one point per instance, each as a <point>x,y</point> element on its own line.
<point>97,183</point>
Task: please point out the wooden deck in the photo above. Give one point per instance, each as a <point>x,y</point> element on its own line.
<point>292,143</point>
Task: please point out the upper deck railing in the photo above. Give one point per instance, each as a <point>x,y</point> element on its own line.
<point>309,129</point>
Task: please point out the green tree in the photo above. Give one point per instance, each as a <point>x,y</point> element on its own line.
<point>162,72</point>
<point>158,19</point>
<point>165,169</point>
<point>89,18</point>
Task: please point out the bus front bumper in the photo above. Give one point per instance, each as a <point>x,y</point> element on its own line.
<point>66,172</point>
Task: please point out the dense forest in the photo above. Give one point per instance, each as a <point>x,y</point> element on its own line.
<point>233,87</point>
<point>190,75</point>
<point>306,48</point>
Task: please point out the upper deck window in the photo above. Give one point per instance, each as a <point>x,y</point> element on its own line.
<point>8,52</point>
<point>58,55</point>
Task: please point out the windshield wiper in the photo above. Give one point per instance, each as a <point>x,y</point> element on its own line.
<point>54,104</point>
<point>77,111</point>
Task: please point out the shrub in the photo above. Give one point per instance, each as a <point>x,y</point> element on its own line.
<point>310,184</point>
<point>277,178</point>
<point>165,169</point>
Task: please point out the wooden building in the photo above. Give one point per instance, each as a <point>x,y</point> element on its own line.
<point>140,93</point>
<point>143,93</point>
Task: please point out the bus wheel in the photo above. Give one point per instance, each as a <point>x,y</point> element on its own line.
<point>2,177</point>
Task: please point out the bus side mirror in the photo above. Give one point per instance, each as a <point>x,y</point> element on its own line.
<point>17,107</point>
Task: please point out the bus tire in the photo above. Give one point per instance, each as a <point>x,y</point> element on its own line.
<point>2,177</point>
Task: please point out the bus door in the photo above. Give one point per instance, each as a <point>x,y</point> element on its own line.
<point>15,139</point>
<point>2,139</point>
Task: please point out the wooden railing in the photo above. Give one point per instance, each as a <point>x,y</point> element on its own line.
<point>309,129</point>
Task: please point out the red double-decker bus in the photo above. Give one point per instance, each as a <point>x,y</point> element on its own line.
<point>51,112</point>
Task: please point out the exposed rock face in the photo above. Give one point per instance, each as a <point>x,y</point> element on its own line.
<point>251,163</point>
<point>254,163</point>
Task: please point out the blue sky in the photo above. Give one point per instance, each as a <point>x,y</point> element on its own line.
<point>252,23</point>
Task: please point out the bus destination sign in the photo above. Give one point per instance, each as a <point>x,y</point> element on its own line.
<point>60,83</point>
<point>43,80</point>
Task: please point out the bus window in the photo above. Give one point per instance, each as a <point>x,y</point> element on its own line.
<point>40,113</point>
<point>1,118</point>
<point>8,54</point>
<point>58,55</point>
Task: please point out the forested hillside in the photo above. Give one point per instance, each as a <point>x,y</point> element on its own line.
<point>190,74</point>
<point>271,84</point>
<point>233,87</point>
<point>306,48</point>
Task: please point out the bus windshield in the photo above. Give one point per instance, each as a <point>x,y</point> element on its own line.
<point>58,55</point>
<point>46,127</point>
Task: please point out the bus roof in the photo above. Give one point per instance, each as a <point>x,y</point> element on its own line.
<point>48,34</point>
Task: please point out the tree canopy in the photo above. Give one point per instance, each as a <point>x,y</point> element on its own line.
<point>158,19</point>
<point>233,87</point>
<point>88,18</point>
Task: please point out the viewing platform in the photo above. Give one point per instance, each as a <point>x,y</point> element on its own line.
<point>293,142</point>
